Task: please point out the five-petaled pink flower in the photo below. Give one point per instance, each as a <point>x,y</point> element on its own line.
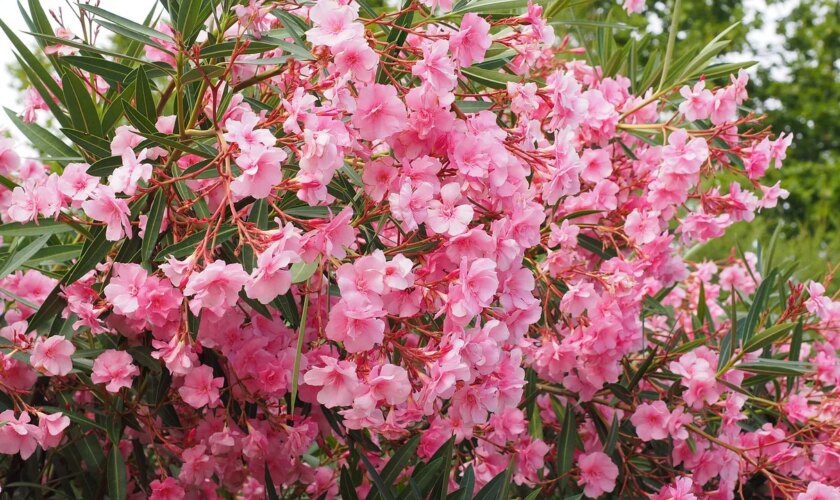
<point>651,420</point>
<point>200,387</point>
<point>337,379</point>
<point>104,207</point>
<point>216,287</point>
<point>447,216</point>
<point>379,112</point>
<point>114,368</point>
<point>51,356</point>
<point>471,41</point>
<point>597,473</point>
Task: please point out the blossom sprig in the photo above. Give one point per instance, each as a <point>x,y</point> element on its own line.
<point>321,249</point>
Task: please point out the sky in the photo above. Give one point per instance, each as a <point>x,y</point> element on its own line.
<point>765,41</point>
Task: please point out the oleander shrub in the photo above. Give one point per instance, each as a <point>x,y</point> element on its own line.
<point>278,249</point>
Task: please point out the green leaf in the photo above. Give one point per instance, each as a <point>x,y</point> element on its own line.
<point>143,99</point>
<point>767,337</point>
<point>21,256</point>
<point>116,474</point>
<point>441,482</point>
<point>202,72</point>
<point>612,437</point>
<point>672,38</point>
<point>534,494</point>
<point>153,224</point>
<point>270,491</point>
<point>381,488</point>
<point>489,78</point>
<point>191,17</point>
<point>139,120</point>
<point>346,489</point>
<point>466,486</point>
<point>15,229</point>
<point>469,107</point>
<point>187,246</point>
<point>80,105</point>
<point>757,307</point>
<point>567,441</point>
<point>55,254</point>
<point>595,246</point>
<point>423,479</point>
<point>176,143</point>
<point>112,71</point>
<point>396,465</point>
<point>307,212</point>
<point>224,49</point>
<point>795,349</point>
<point>41,138</point>
<point>114,110</point>
<point>95,146</point>
<point>496,488</point>
<point>127,24</point>
<point>296,51</point>
<point>490,7</point>
<point>301,271</point>
<point>298,352</point>
<point>775,367</point>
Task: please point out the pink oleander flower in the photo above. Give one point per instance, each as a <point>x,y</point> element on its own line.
<point>633,6</point>
<point>478,283</point>
<point>354,57</point>
<point>272,276</point>
<point>471,41</point>
<point>126,287</point>
<point>168,489</point>
<point>356,322</point>
<point>261,171</point>
<point>378,177</point>
<point>337,380</point>
<point>389,382</point>
<point>51,356</point>
<point>379,112</point>
<point>32,103</point>
<point>650,420</point>
<point>9,158</point>
<point>447,216</point>
<point>330,237</point>
<point>200,387</point>
<point>104,207</point>
<point>163,50</point>
<point>698,101</point>
<point>76,184</point>
<point>126,178</point>
<point>216,287</point>
<point>244,133</point>
<point>334,23</point>
<point>115,369</point>
<point>597,473</point>
<point>17,435</point>
<point>680,490</point>
<point>52,429</point>
<point>819,491</point>
<point>436,68</point>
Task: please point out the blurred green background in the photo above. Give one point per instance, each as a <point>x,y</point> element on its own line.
<point>796,84</point>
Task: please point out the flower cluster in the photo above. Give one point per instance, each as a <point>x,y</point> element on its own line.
<point>319,241</point>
